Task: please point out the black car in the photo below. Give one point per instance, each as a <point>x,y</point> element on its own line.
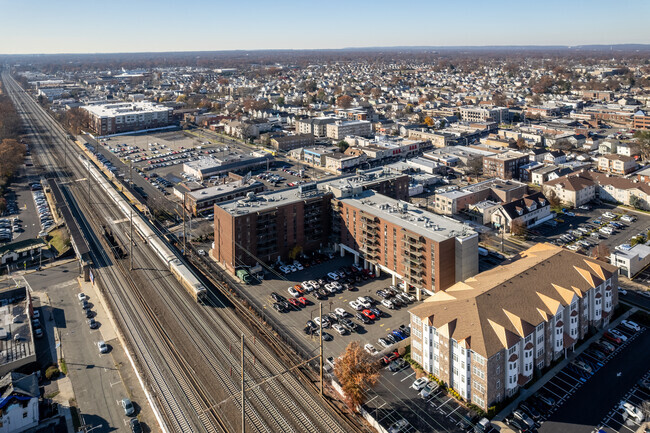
<point>363,318</point>
<point>92,323</point>
<point>279,307</point>
<point>382,294</point>
<point>376,311</point>
<point>390,338</point>
<point>518,424</point>
<point>397,365</point>
<point>596,354</point>
<point>89,313</point>
<point>277,297</point>
<point>644,384</point>
<point>405,330</point>
<point>530,409</point>
<point>318,295</point>
<point>323,293</point>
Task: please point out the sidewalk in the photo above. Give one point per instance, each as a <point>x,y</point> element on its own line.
<point>66,393</point>
<point>525,393</point>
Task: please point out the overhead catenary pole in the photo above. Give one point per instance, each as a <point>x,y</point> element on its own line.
<point>131,242</point>
<point>243,397</point>
<point>321,348</point>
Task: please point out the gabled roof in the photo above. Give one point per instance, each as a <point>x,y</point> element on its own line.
<point>496,308</point>
<point>512,209</point>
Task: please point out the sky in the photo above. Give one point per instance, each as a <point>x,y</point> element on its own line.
<point>93,26</point>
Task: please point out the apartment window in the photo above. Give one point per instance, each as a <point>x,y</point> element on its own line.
<point>512,350</point>
<point>498,369</point>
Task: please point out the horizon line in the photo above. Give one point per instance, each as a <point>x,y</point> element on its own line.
<point>601,46</point>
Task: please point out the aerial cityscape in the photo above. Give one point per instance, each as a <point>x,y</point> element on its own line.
<point>355,218</point>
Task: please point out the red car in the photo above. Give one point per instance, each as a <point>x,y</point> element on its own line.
<point>369,314</point>
<point>302,300</point>
<point>293,302</point>
<point>390,358</point>
<point>612,338</point>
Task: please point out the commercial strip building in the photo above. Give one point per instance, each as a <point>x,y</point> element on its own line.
<point>425,250</point>
<point>487,336</point>
<point>203,200</point>
<point>16,330</point>
<point>631,260</point>
<point>204,168</point>
<point>289,142</point>
<point>106,119</point>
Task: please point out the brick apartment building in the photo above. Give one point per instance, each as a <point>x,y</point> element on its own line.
<point>267,227</point>
<point>289,142</point>
<point>641,120</point>
<point>504,165</point>
<point>486,337</point>
<point>270,225</point>
<point>427,251</point>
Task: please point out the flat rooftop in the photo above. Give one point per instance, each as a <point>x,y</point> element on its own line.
<point>16,341</point>
<point>428,224</point>
<point>125,108</point>
<point>496,183</point>
<point>222,189</point>
<point>262,202</point>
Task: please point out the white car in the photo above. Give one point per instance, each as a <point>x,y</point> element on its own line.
<point>340,312</point>
<point>336,285</point>
<point>632,411</point>
<point>370,349</point>
<point>293,292</point>
<point>314,284</point>
<point>81,296</point>
<point>333,276</point>
<point>307,286</point>
<point>631,325</point>
<point>292,268</point>
<point>609,215</point>
<point>285,270</point>
<point>330,288</point>
<point>338,328</point>
<point>364,303</point>
<point>387,303</point>
<point>618,334</point>
<point>298,266</point>
<point>419,383</point>
<point>628,218</point>
<point>356,306</point>
<point>103,348</point>
<point>399,426</point>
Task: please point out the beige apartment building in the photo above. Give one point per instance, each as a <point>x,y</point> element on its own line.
<point>341,129</point>
<point>487,336</point>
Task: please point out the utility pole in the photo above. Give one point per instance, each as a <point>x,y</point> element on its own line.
<point>321,348</point>
<point>88,167</point>
<point>183,211</point>
<point>131,243</point>
<point>503,230</point>
<point>243,398</point>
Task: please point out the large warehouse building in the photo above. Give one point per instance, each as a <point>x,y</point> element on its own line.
<point>107,119</point>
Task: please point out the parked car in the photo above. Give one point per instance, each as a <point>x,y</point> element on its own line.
<point>631,325</point>
<point>420,383</point>
<point>397,365</point>
<point>356,306</point>
<point>127,405</point>
<point>398,426</point>
<point>619,334</point>
<point>103,348</point>
<point>370,349</point>
<point>135,425</point>
<point>429,389</point>
<point>632,411</point>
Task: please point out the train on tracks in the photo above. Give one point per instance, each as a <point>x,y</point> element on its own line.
<point>180,270</point>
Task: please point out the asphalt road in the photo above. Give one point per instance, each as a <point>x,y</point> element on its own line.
<point>583,411</point>
<point>96,381</point>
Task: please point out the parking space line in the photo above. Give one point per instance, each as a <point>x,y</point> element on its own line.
<point>560,397</point>
<point>572,386</point>
<point>407,376</point>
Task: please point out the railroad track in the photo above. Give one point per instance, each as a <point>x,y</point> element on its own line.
<point>176,415</point>
<point>282,403</point>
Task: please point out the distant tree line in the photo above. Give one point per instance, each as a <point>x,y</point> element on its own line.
<point>12,150</point>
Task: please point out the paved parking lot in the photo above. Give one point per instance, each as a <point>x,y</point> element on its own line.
<point>294,321</point>
<point>616,421</point>
<point>393,399</point>
<point>584,396</point>
<point>592,219</point>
